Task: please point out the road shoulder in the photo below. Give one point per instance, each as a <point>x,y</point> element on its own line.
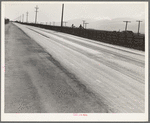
<point>35,82</point>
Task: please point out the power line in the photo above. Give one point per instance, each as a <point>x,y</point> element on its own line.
<point>126,24</point>
<point>139,26</point>
<point>36,13</point>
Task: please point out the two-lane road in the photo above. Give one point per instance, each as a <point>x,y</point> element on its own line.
<point>113,75</point>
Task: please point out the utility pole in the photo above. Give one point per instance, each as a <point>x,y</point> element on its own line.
<point>22,18</point>
<point>83,23</point>
<point>27,17</point>
<point>36,13</point>
<point>65,23</point>
<point>62,15</point>
<point>86,24</point>
<point>126,24</point>
<point>53,23</point>
<point>139,26</point>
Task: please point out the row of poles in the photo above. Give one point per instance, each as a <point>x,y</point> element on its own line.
<point>130,22</point>
<point>21,18</point>
<point>84,23</point>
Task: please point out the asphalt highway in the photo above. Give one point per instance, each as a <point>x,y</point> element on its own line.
<point>58,72</point>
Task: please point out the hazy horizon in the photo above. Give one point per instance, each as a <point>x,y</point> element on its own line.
<point>74,12</point>
<point>51,11</point>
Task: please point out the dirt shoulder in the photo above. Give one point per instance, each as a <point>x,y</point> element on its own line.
<point>37,83</point>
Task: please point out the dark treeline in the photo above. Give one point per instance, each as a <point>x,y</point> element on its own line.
<point>125,39</point>
<point>6,21</point>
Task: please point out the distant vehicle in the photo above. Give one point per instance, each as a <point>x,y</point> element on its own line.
<point>6,21</point>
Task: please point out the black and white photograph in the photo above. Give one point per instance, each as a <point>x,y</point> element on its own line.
<point>74,61</point>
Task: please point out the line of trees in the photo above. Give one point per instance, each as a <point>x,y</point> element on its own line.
<point>125,38</point>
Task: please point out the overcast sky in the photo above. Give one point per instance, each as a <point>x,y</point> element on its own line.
<point>51,11</point>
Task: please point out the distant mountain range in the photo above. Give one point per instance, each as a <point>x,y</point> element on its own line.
<point>116,24</point>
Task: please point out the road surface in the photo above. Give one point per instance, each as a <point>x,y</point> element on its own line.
<point>56,72</point>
